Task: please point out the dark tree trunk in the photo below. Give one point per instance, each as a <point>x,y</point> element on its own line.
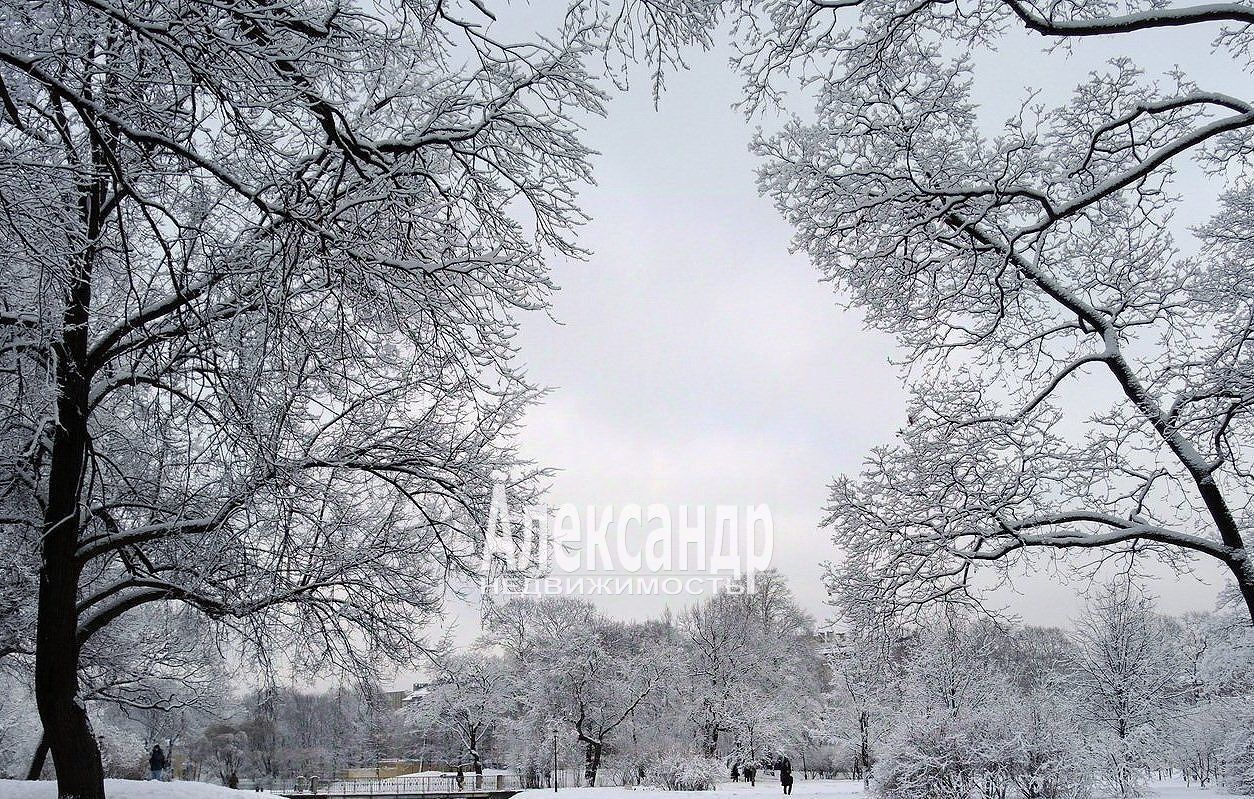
<point>864,755</point>
<point>1243,570</point>
<point>68,731</point>
<point>475,765</point>
<point>591,762</point>
<point>38,759</point>
<point>711,739</point>
<point>74,750</point>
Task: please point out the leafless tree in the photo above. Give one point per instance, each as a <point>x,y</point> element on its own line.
<point>470,696</point>
<point>1131,681</point>
<point>523,625</point>
<point>1012,263</point>
<point>262,262</point>
<point>744,651</point>
<point>591,678</point>
<point>867,665</point>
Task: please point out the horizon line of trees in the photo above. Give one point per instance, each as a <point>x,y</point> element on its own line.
<point>964,705</point>
<point>737,675</point>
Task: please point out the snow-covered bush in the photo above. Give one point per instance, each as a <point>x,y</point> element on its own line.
<point>1049,755</point>
<point>926,761</point>
<point>1238,751</point>
<point>948,741</point>
<point>123,752</point>
<point>965,731</point>
<point>1006,748</point>
<point>1198,739</point>
<point>687,773</point>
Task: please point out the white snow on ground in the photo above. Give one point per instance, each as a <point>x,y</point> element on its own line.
<point>765,789</point>
<point>125,789</point>
<point>816,789</point>
<point>1176,789</point>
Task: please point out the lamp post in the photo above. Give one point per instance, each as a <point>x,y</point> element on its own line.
<point>554,758</point>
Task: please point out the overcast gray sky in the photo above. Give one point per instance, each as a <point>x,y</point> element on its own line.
<point>695,361</point>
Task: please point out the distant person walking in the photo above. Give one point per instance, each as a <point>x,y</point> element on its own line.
<point>751,773</point>
<point>157,763</point>
<point>785,775</point>
<point>232,781</point>
<point>736,772</point>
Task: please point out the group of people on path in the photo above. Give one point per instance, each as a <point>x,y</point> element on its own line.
<point>750,773</point>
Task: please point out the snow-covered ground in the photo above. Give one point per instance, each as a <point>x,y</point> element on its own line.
<point>125,789</point>
<point>1176,789</point>
<point>765,789</point>
<point>817,789</point>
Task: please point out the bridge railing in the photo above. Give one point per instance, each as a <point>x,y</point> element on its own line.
<point>435,785</point>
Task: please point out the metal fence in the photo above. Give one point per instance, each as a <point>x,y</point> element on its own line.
<point>427,785</point>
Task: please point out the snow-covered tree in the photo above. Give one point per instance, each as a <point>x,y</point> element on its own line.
<point>737,676</point>
<point>866,693</point>
<point>1218,725</point>
<point>222,748</point>
<point>1014,262</point>
<point>262,262</point>
<point>594,679</point>
<point>1198,738</point>
<point>774,719</point>
<point>1129,677</point>
<point>966,728</point>
<point>742,649</point>
<point>523,625</point>
<point>470,695</point>
<point>1238,749</point>
<point>155,661</point>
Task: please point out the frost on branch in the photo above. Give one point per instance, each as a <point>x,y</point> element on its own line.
<point>1080,379</point>
<point>263,265</point>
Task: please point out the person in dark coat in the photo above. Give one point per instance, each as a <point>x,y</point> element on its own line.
<point>785,775</point>
<point>736,772</point>
<point>157,763</point>
<point>751,773</point>
<point>232,781</point>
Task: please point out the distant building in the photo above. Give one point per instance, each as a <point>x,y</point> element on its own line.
<point>400,699</point>
<point>830,641</point>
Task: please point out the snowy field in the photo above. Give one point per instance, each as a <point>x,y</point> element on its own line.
<point>123,789</point>
<point>820,789</point>
<point>767,788</point>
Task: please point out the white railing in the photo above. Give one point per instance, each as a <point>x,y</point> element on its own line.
<point>427,785</point>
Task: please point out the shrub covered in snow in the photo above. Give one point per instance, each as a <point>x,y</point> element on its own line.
<point>1238,752</point>
<point>687,773</point>
<point>966,732</point>
<point>990,755</point>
